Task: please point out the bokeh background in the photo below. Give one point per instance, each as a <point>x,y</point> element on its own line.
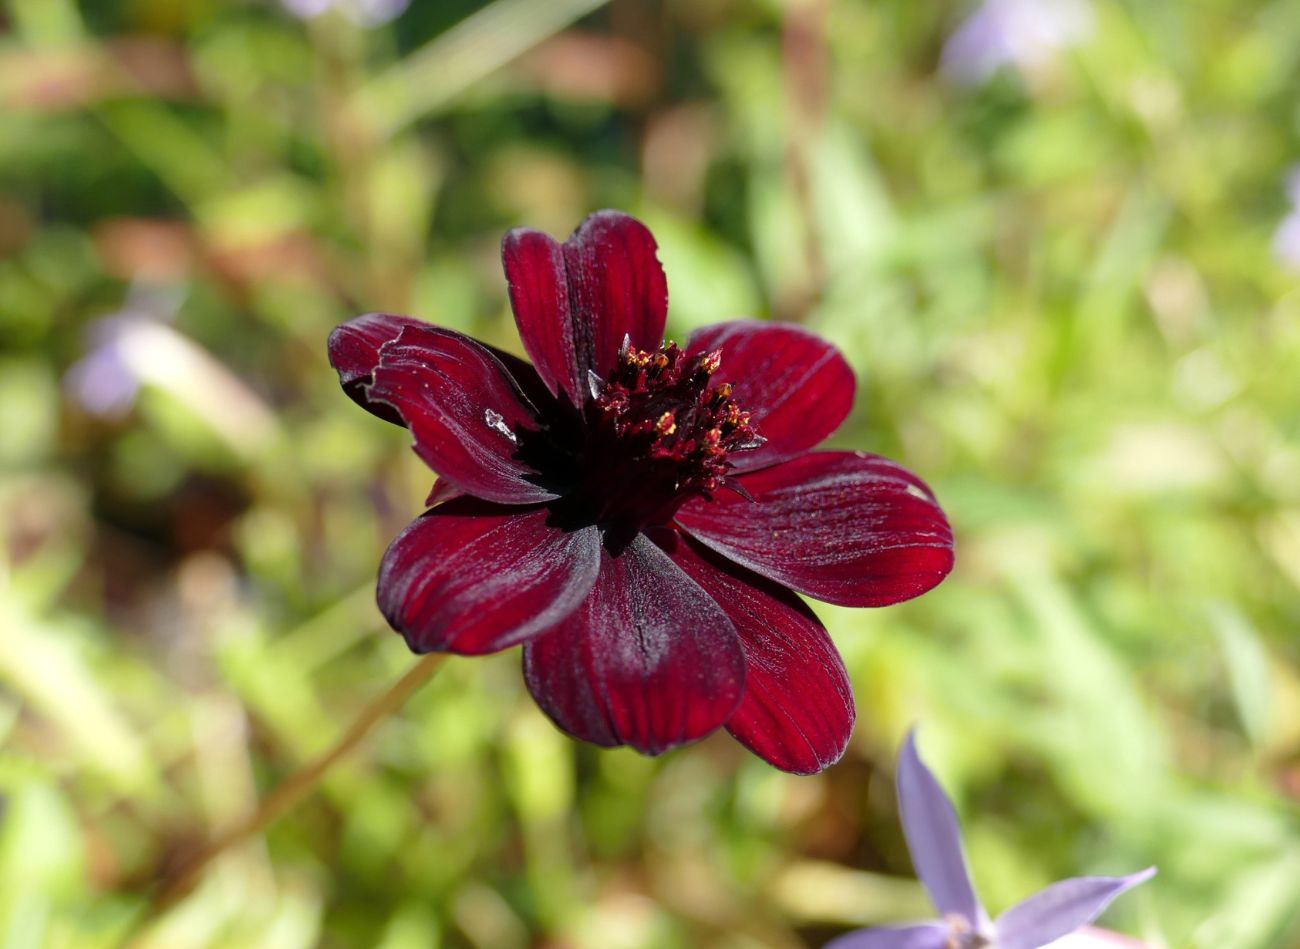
<point>1055,240</point>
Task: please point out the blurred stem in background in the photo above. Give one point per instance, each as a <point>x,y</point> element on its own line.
<point>804,73</point>
<point>295,788</point>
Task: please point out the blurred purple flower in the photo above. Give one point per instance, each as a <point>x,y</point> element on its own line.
<point>1025,34</point>
<point>136,348</point>
<point>1286,240</point>
<point>101,381</point>
<point>933,836</point>
<point>361,12</point>
<point>104,381</point>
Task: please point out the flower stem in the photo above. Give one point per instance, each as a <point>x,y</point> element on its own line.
<point>294,788</point>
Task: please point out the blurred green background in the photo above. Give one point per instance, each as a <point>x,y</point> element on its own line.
<point>1047,252</point>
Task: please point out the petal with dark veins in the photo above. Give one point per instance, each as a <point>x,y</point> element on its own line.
<point>617,288</point>
<point>354,354</point>
<point>648,659</point>
<point>470,421</point>
<point>845,527</point>
<point>472,577</point>
<point>796,387</point>
<point>797,711</point>
<point>539,298</point>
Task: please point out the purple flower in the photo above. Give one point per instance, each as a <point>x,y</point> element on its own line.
<point>640,515</point>
<point>106,381</point>
<point>1025,34</point>
<point>1286,240</point>
<point>930,826</point>
<point>361,12</point>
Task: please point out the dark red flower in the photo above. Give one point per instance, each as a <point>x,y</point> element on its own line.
<point>640,515</point>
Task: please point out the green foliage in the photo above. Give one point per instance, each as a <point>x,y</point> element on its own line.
<point>1058,294</point>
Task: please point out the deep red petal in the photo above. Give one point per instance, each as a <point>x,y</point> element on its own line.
<point>648,659</point>
<point>845,527</point>
<point>354,353</point>
<point>797,711</point>
<point>797,387</point>
<point>473,577</point>
<point>469,417</point>
<point>617,289</point>
<point>539,297</point>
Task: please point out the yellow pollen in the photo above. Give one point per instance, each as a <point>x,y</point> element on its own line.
<point>712,361</point>
<point>666,424</point>
<point>724,390</point>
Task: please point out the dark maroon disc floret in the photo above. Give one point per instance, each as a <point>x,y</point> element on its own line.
<point>660,433</point>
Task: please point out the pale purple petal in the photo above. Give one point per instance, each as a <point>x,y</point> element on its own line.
<point>360,12</point>
<point>1089,937</point>
<point>374,12</point>
<point>1061,909</point>
<point>1020,33</point>
<point>1286,241</point>
<point>934,839</point>
<point>102,382</point>
<point>923,936</point>
<point>306,9</point>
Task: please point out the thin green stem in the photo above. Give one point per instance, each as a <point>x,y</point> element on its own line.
<point>291,792</point>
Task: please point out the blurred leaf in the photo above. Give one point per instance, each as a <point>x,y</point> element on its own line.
<point>1248,672</point>
<point>41,661</point>
<point>1262,905</point>
<point>708,281</point>
<point>433,76</point>
<point>1101,734</point>
<point>47,22</point>
<point>28,412</point>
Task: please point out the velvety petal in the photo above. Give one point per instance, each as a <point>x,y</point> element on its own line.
<point>934,839</point>
<point>354,353</point>
<point>470,420</point>
<point>617,289</point>
<point>845,527</point>
<point>648,659</point>
<point>797,387</point>
<point>1061,909</point>
<point>474,577</point>
<point>539,297</point>
<point>797,711</point>
<point>922,936</point>
<point>531,384</point>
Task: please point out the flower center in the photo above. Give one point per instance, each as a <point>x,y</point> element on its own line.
<point>660,431</point>
<point>962,935</point>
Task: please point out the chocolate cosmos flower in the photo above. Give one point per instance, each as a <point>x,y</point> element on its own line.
<point>639,515</point>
